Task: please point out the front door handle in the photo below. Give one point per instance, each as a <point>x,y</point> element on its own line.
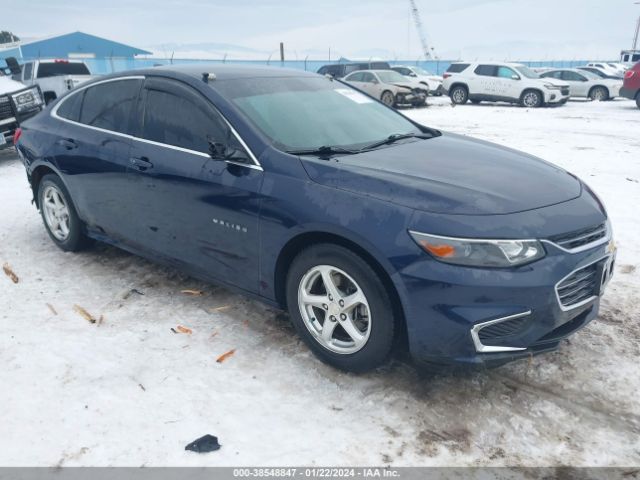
<point>68,143</point>
<point>141,163</point>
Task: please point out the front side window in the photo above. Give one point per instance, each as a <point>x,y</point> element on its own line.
<point>403,71</point>
<point>307,112</point>
<point>182,122</point>
<point>368,77</point>
<point>108,105</point>
<point>505,72</point>
<point>28,70</point>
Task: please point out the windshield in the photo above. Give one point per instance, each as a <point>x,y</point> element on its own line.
<point>422,71</point>
<point>527,72</point>
<point>304,113</point>
<point>390,76</point>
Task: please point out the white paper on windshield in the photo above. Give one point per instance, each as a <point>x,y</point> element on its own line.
<point>353,95</point>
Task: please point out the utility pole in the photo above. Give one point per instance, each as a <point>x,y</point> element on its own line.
<point>281,52</point>
<point>635,37</point>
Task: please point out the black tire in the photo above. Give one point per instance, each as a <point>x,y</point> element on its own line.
<point>531,99</point>
<point>599,93</point>
<point>76,239</point>
<point>382,323</point>
<point>459,95</point>
<point>388,98</point>
<point>638,100</point>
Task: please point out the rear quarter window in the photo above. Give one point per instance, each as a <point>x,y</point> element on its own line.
<point>70,106</point>
<point>457,67</point>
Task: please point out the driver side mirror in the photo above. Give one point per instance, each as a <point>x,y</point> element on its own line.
<point>225,152</point>
<point>374,81</point>
<point>515,77</point>
<point>412,74</point>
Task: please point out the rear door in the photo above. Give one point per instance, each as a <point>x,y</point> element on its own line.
<point>192,209</point>
<point>92,150</point>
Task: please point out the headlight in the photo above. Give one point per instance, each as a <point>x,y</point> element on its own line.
<point>27,100</point>
<point>479,252</point>
<point>551,86</point>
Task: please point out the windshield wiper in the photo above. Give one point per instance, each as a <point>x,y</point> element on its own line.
<point>324,151</point>
<point>394,138</point>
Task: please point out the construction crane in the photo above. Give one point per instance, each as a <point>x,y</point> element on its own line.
<point>420,28</point>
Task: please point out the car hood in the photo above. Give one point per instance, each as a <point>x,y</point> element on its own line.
<point>449,174</point>
<point>407,85</point>
<point>7,85</point>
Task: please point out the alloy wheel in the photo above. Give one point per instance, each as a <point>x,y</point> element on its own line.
<point>334,309</point>
<point>531,99</point>
<point>56,213</point>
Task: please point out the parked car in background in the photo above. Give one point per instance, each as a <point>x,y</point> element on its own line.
<point>391,88</point>
<point>586,84</point>
<point>620,67</point>
<point>372,230</point>
<point>17,104</point>
<point>340,70</point>
<point>428,79</point>
<point>599,72</point>
<point>54,77</point>
<point>631,86</point>
<point>606,69</point>
<point>502,82</point>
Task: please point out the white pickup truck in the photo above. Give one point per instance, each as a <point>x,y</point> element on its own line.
<point>17,103</point>
<point>54,77</point>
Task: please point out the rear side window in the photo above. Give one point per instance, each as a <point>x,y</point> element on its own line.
<point>457,67</point>
<point>108,105</point>
<point>485,70</point>
<point>70,107</point>
<point>635,58</point>
<point>53,69</point>
<point>178,121</point>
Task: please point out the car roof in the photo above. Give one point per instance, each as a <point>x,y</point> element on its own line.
<point>230,71</point>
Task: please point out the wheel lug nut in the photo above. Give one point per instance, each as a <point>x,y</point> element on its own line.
<point>332,318</point>
<point>341,302</point>
<point>325,306</point>
<point>343,316</point>
<point>330,298</point>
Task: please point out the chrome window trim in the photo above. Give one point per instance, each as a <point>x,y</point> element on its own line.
<point>481,348</point>
<point>54,113</point>
<point>586,300</point>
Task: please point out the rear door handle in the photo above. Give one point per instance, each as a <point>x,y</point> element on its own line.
<point>141,163</point>
<point>68,143</point>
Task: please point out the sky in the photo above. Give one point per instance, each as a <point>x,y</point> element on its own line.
<point>356,29</point>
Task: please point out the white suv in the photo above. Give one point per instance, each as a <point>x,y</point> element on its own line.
<point>502,82</point>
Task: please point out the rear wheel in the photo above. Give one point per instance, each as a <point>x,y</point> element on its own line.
<point>340,308</point>
<point>531,99</point>
<point>387,98</point>
<point>459,95</point>
<point>599,93</point>
<point>59,215</point>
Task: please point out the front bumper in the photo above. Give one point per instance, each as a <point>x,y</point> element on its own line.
<point>450,307</point>
<point>556,96</point>
<point>411,99</point>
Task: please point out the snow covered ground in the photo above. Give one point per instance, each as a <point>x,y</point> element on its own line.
<point>129,391</point>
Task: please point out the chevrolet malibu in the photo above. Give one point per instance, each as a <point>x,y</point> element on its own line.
<point>375,233</point>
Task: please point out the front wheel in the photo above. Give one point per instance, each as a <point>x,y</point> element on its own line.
<point>531,99</point>
<point>59,215</point>
<point>388,99</point>
<point>340,308</point>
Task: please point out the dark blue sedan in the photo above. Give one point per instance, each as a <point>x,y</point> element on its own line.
<point>373,231</point>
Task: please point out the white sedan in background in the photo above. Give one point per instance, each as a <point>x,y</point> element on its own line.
<point>431,81</point>
<point>586,84</point>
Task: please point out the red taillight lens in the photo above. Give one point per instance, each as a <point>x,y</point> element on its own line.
<point>16,135</point>
<point>629,74</point>
<point>446,75</point>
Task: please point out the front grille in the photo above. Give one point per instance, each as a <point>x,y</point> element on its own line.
<point>579,286</point>
<point>581,237</point>
<point>5,108</point>
<point>501,329</point>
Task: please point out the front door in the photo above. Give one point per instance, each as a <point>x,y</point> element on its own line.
<point>194,208</point>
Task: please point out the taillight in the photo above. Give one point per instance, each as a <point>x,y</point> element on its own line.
<point>446,75</point>
<point>629,74</point>
<point>16,135</point>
